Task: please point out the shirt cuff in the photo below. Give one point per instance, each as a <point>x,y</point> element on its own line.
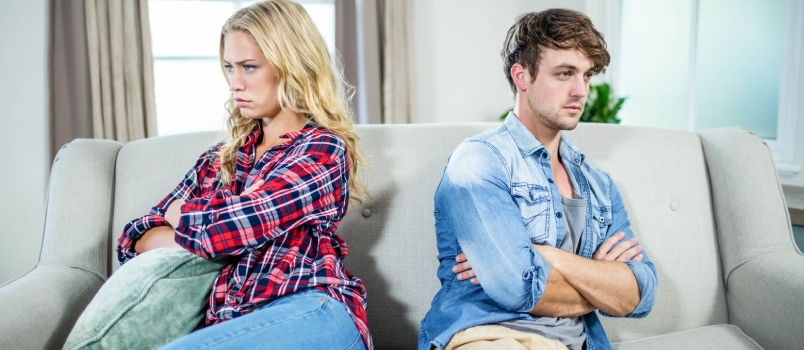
<point>645,274</point>
<point>537,274</point>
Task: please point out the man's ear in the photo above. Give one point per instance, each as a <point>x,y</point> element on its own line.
<point>521,77</point>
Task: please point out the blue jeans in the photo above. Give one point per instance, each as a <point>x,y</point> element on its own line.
<point>310,319</point>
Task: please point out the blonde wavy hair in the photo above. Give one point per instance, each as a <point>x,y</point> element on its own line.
<point>311,83</point>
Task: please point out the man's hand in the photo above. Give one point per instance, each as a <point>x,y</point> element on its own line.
<point>464,270</point>
<point>626,250</point>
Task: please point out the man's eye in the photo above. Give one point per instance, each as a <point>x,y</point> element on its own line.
<point>564,74</point>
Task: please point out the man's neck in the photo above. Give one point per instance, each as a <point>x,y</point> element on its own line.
<point>549,137</point>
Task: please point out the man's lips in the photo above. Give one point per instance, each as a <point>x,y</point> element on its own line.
<point>573,108</point>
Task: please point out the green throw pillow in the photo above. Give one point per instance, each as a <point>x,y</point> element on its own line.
<point>153,299</point>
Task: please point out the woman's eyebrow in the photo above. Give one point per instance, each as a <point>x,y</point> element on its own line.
<point>240,62</point>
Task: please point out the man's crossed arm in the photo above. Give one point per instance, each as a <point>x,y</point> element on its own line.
<point>576,285</point>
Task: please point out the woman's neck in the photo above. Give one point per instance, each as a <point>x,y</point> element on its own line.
<point>284,122</point>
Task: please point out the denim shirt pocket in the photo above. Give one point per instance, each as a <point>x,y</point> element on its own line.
<point>534,206</point>
<point>601,217</point>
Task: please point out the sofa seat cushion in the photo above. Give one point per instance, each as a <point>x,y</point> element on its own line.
<point>153,299</point>
<point>721,336</point>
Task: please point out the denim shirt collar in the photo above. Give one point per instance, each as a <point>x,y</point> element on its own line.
<point>528,144</point>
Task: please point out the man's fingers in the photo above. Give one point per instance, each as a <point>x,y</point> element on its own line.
<point>620,249</point>
<point>461,267</point>
<point>604,248</point>
<point>630,254</point>
<point>475,281</point>
<point>465,275</point>
<point>461,257</point>
<point>638,258</point>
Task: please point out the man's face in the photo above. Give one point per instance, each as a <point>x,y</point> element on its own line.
<point>557,95</point>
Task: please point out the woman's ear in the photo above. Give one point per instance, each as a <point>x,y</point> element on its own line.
<point>521,77</point>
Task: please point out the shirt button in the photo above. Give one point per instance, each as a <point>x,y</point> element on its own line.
<point>558,215</point>
<point>602,220</point>
<point>544,155</point>
<point>550,180</point>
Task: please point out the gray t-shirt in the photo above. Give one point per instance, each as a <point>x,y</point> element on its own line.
<point>568,330</point>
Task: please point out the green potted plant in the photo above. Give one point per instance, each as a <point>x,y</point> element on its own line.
<point>600,107</point>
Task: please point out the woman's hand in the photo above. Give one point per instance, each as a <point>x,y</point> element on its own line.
<point>253,187</point>
<point>173,213</point>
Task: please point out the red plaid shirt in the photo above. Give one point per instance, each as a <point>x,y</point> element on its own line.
<point>282,235</point>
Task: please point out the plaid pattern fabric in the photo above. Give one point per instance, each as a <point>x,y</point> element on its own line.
<point>281,236</point>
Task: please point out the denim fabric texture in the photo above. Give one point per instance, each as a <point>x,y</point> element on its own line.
<point>309,319</point>
<point>497,198</point>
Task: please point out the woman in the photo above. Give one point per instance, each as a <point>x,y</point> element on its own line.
<point>272,195</point>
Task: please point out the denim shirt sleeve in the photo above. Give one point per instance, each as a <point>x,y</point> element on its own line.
<point>475,202</point>
<point>644,271</point>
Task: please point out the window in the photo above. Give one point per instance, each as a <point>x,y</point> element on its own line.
<point>190,88</point>
<point>702,64</point>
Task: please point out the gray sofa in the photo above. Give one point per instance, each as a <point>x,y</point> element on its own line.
<point>707,207</point>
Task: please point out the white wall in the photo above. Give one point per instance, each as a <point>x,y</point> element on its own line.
<point>459,74</point>
<point>23,135</point>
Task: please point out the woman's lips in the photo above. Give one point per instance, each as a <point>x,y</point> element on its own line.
<point>240,102</point>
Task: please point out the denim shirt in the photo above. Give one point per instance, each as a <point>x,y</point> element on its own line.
<point>496,198</point>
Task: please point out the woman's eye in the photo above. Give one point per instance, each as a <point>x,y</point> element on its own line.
<point>249,68</point>
<point>229,68</point>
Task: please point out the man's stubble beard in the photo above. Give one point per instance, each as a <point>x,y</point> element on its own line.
<point>553,120</point>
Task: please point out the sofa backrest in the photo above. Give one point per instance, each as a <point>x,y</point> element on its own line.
<point>660,173</point>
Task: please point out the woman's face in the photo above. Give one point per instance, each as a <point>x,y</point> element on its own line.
<point>251,78</point>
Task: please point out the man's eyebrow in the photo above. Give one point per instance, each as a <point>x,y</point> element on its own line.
<point>571,67</point>
<point>566,66</point>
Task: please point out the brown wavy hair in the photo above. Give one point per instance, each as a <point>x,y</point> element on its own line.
<point>556,29</point>
<point>311,83</point>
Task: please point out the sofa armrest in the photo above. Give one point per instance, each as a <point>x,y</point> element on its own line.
<point>765,299</point>
<point>79,206</point>
<point>41,307</point>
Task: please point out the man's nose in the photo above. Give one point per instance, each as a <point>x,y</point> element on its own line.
<point>580,87</point>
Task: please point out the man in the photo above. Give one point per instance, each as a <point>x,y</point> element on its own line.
<point>541,238</point>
